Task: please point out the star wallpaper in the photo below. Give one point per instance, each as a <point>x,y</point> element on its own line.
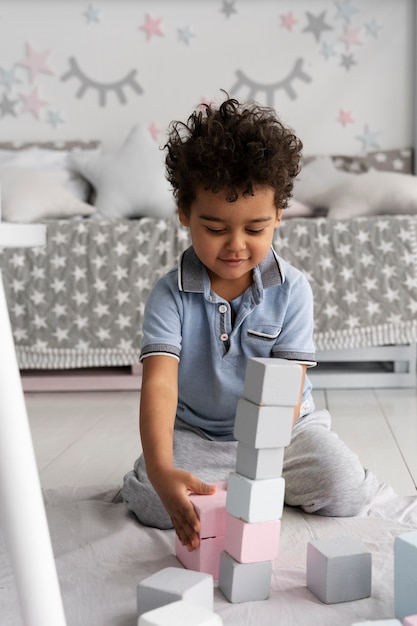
<point>340,72</point>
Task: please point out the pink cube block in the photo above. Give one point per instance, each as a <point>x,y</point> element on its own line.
<point>410,620</point>
<point>211,511</point>
<point>252,543</point>
<point>206,558</point>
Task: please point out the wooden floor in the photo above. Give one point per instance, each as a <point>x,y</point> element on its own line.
<point>91,438</point>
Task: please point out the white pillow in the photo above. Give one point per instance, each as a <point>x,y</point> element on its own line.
<point>130,182</point>
<point>317,177</point>
<point>30,194</point>
<point>44,158</point>
<point>372,193</point>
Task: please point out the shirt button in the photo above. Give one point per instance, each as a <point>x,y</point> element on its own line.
<point>224,337</point>
<point>222,308</point>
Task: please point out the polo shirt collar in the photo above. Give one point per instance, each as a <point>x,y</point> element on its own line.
<point>191,272</point>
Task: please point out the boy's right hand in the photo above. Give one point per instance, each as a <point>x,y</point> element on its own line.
<point>174,487</point>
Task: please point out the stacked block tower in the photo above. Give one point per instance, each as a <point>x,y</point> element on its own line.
<point>255,493</point>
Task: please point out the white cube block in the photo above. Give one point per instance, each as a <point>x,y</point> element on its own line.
<point>172,584</point>
<point>255,500</point>
<point>262,426</point>
<point>273,381</point>
<point>180,614</point>
<point>379,622</point>
<point>258,463</point>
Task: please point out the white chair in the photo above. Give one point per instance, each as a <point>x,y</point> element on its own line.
<point>25,524</point>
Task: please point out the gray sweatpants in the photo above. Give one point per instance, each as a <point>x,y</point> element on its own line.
<point>321,474</point>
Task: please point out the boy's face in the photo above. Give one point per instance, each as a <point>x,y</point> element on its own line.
<point>230,238</point>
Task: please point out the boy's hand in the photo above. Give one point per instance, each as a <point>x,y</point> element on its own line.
<point>174,487</point>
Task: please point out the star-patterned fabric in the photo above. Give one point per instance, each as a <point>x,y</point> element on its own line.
<point>363,273</point>
<point>79,301</point>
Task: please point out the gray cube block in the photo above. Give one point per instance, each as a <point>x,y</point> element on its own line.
<point>255,500</point>
<point>258,463</point>
<point>244,582</point>
<point>405,574</point>
<point>262,426</point>
<point>339,569</point>
<point>273,381</point>
<point>172,584</point>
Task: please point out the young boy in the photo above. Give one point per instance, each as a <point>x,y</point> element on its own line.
<point>231,298</point>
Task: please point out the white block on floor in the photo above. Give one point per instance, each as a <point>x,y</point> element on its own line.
<point>180,614</point>
<point>273,381</point>
<point>262,426</point>
<point>255,500</point>
<point>258,463</point>
<point>381,622</point>
<point>173,584</point>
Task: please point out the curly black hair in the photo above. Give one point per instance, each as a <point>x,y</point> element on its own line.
<point>234,147</point>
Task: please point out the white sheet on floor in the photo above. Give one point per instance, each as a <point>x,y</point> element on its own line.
<point>102,553</point>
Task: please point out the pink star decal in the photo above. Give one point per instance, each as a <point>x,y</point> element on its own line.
<point>154,130</point>
<point>288,21</point>
<point>345,117</point>
<point>350,37</point>
<point>32,103</point>
<point>152,27</point>
<point>36,62</point>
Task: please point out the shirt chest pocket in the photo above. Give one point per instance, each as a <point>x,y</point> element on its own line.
<point>262,338</point>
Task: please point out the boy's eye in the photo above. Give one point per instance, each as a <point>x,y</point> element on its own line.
<point>216,231</point>
<point>252,231</point>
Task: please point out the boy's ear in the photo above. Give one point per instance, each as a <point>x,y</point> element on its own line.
<point>184,220</point>
<point>278,218</point>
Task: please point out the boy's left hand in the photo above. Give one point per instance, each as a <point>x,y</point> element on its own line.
<point>174,490</point>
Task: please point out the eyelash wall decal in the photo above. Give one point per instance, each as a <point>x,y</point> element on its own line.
<point>102,88</point>
<point>297,72</point>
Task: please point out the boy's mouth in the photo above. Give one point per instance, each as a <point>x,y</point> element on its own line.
<point>233,262</point>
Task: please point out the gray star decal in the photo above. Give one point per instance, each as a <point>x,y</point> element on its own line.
<point>316,24</point>
<point>7,106</point>
<point>228,7</point>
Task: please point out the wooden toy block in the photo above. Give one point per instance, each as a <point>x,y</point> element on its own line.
<point>258,463</point>
<point>255,500</point>
<point>173,584</point>
<point>211,511</point>
<point>274,382</point>
<point>339,569</point>
<point>375,622</point>
<point>180,613</point>
<point>252,543</point>
<point>206,558</point>
<point>261,426</point>
<point>244,582</point>
<point>405,574</point>
<point>410,620</point>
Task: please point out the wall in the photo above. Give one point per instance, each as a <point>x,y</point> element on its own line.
<point>339,71</point>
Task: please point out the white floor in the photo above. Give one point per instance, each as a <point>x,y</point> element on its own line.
<point>91,438</point>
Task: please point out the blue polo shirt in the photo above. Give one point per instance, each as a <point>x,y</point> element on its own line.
<point>213,338</point>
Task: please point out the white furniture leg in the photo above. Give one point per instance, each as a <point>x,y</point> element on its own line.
<point>24,518</point>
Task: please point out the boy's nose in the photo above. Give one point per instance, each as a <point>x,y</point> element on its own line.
<point>236,243</point>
